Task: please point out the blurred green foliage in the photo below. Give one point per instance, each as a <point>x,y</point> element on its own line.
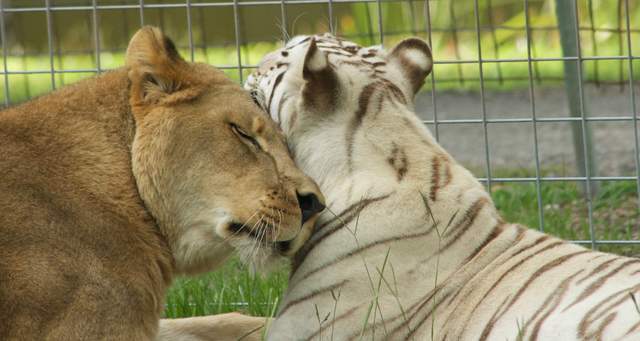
<point>452,28</point>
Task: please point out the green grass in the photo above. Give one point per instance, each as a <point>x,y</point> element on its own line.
<point>232,288</point>
<point>615,213</point>
<point>565,211</point>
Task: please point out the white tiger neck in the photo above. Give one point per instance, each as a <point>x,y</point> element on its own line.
<point>398,204</point>
<point>392,156</point>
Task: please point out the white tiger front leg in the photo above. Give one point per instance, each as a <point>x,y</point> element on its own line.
<point>222,327</point>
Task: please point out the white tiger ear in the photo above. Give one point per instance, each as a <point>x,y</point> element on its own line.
<point>413,56</point>
<point>321,82</point>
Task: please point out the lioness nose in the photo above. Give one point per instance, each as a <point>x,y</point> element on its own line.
<point>309,205</point>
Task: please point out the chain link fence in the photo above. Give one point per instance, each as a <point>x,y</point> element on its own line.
<point>529,93</point>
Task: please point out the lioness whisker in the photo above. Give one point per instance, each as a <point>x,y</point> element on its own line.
<point>255,244</point>
<point>278,227</point>
<point>239,230</point>
<point>258,242</point>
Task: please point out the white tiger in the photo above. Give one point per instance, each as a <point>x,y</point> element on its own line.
<point>411,246</point>
<point>416,248</point>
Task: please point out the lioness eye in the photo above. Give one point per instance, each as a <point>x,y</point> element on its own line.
<point>243,135</point>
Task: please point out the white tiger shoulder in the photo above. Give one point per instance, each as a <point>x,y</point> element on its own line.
<point>411,245</point>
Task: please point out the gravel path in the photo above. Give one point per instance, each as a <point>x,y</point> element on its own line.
<point>511,144</point>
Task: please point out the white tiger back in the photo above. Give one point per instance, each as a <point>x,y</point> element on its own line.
<point>411,245</point>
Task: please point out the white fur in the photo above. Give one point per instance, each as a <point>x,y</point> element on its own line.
<point>418,58</point>
<point>395,278</point>
<point>317,61</point>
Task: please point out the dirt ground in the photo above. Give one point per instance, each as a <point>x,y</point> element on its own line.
<point>511,145</point>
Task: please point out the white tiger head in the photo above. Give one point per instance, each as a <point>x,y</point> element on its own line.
<point>319,84</point>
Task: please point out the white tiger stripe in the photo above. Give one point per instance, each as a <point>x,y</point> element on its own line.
<point>418,248</point>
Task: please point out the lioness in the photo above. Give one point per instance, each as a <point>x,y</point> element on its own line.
<point>111,186</point>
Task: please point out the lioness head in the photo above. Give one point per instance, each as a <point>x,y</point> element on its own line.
<point>212,169</point>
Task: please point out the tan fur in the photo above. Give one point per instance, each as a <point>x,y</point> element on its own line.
<point>113,185</point>
<point>222,327</point>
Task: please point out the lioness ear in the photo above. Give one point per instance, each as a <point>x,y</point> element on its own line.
<point>321,82</point>
<point>413,56</point>
<point>156,70</point>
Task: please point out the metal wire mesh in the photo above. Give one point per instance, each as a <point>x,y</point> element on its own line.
<point>481,36</point>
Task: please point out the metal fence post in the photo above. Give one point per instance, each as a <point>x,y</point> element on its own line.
<point>582,137</point>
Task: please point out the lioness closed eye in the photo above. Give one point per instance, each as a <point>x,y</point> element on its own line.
<point>111,186</point>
